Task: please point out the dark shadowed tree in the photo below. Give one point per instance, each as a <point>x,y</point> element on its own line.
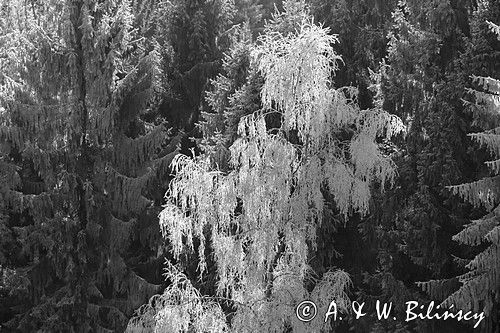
<point>78,161</point>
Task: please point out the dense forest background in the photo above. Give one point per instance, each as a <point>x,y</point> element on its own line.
<point>205,165</point>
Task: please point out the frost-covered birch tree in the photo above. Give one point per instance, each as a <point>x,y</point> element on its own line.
<point>259,220</point>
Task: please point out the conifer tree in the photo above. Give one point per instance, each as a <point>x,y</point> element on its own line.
<point>234,94</point>
<point>193,36</point>
<point>479,288</point>
<point>259,218</point>
<point>362,27</point>
<point>77,160</point>
<point>421,80</point>
<point>255,13</point>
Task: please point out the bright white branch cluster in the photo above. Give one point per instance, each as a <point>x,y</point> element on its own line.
<point>262,216</point>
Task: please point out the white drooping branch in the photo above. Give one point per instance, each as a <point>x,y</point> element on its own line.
<point>261,217</point>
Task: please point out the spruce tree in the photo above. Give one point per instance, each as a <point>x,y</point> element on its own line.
<point>78,160</point>
<point>192,34</point>
<point>479,286</point>
<point>421,80</point>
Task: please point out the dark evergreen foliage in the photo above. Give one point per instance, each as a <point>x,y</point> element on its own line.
<point>98,97</point>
